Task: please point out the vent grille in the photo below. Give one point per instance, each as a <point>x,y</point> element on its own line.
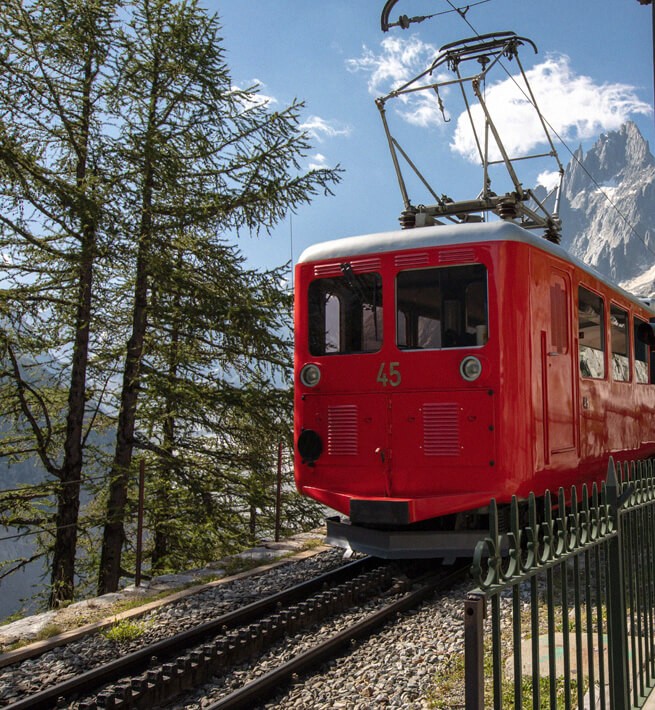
<point>325,270</point>
<point>357,265</point>
<point>365,264</point>
<point>441,429</point>
<point>456,256</point>
<point>406,260</point>
<point>342,430</point>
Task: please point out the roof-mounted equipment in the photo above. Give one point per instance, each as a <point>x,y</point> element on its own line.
<point>486,54</point>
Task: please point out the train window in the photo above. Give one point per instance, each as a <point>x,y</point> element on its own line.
<point>559,333</point>
<point>591,333</point>
<point>620,347</point>
<point>345,314</point>
<point>641,354</point>
<point>442,307</point>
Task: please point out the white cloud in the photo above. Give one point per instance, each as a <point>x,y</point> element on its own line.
<point>574,105</point>
<point>254,97</point>
<point>549,179</point>
<point>399,61</point>
<point>318,162</point>
<point>320,129</point>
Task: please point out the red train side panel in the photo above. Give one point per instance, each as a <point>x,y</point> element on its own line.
<point>439,367</point>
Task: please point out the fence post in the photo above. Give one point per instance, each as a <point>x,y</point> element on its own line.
<point>474,612</point>
<point>139,526</point>
<point>616,611</point>
<point>278,493</point>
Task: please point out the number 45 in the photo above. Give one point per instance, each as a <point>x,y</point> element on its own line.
<point>392,378</point>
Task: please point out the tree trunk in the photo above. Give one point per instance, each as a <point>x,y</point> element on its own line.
<point>68,496</point>
<point>161,535</point>
<point>160,548</point>
<point>253,522</point>
<point>114,531</point>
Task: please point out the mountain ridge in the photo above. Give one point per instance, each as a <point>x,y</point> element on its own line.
<point>608,209</point>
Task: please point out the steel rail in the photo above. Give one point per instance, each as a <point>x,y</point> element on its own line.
<point>264,687</point>
<point>136,662</point>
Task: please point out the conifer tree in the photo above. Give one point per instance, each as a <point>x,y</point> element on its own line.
<point>217,378</point>
<point>207,158</point>
<point>128,164</point>
<point>51,238</point>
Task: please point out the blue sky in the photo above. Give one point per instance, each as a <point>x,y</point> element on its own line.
<point>593,71</point>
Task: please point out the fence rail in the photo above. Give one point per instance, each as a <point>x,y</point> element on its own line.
<point>569,607</point>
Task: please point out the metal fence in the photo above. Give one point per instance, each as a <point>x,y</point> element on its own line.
<point>564,612</point>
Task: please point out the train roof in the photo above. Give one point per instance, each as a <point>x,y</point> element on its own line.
<point>445,235</point>
<point>422,237</point>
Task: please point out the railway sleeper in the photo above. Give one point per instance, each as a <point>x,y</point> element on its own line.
<point>159,685</point>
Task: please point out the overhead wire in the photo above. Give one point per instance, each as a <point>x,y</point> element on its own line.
<point>573,155</point>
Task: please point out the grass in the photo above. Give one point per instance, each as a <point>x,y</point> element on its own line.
<point>73,618</point>
<point>448,691</point>
<point>47,632</point>
<point>125,631</point>
<point>128,604</point>
<point>544,692</point>
<point>236,565</point>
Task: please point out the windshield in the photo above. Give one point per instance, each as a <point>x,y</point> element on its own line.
<point>345,313</point>
<point>442,307</point>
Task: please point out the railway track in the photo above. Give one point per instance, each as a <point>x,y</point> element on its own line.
<point>170,668</point>
<point>417,592</point>
<point>226,634</point>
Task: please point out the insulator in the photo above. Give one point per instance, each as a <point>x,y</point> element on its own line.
<point>507,210</point>
<point>552,235</point>
<point>407,219</point>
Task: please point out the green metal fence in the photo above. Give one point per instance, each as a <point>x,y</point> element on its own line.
<point>564,612</point>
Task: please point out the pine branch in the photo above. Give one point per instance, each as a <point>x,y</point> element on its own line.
<point>23,388</point>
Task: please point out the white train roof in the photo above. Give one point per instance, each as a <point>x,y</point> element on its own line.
<point>445,235</point>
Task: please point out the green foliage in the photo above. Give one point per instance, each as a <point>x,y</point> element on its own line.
<point>16,616</point>
<point>129,164</point>
<point>527,688</point>
<point>125,631</point>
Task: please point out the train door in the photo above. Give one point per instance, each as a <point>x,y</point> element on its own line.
<point>559,368</point>
<point>346,417</point>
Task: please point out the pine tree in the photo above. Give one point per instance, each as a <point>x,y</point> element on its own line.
<point>128,164</point>
<point>51,238</point>
<point>217,377</point>
<point>206,157</point>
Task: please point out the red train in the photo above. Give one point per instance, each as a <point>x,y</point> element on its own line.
<point>440,367</point>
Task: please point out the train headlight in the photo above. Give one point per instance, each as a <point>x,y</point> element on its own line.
<point>470,368</point>
<point>310,375</point>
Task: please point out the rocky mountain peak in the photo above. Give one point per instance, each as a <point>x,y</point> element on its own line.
<point>608,206</point>
<point>614,156</point>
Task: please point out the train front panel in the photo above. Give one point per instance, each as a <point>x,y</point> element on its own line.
<point>398,382</point>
